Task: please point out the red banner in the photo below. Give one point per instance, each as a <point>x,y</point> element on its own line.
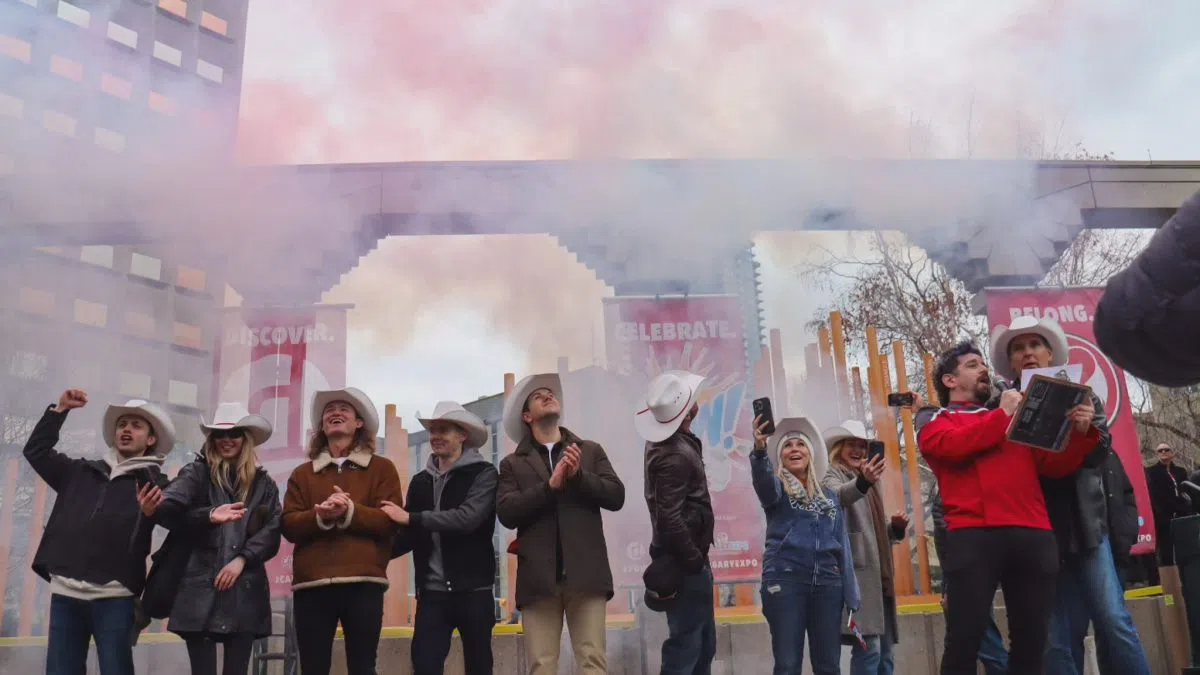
<point>274,360</point>
<point>1073,308</point>
<point>703,335</point>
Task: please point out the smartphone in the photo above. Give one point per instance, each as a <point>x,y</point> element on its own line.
<point>762,408</point>
<point>898,400</point>
<point>874,449</point>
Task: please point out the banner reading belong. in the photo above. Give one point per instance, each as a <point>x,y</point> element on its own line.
<point>1074,308</point>
<point>273,360</point>
<point>700,334</point>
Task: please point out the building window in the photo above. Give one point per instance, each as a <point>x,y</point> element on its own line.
<point>141,325</point>
<point>188,335</point>
<point>115,86</point>
<point>16,48</point>
<point>210,71</point>
<point>191,278</point>
<point>176,7</point>
<point>61,65</point>
<point>37,301</point>
<point>97,255</point>
<point>112,140</point>
<point>183,393</point>
<point>161,104</point>
<point>121,34</point>
<point>214,24</point>
<point>168,53</point>
<point>135,384</point>
<point>11,106</point>
<point>28,365</point>
<point>145,266</point>
<point>91,313</point>
<point>73,14</point>
<point>59,123</point>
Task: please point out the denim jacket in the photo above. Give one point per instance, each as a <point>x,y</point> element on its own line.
<point>802,542</point>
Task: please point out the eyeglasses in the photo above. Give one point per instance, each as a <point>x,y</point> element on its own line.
<point>1163,451</point>
<point>222,434</point>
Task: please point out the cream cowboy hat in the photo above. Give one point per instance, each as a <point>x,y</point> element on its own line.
<point>449,411</point>
<point>160,423</point>
<point>848,429</point>
<point>235,416</point>
<point>514,405</point>
<point>668,399</point>
<point>1048,329</point>
<point>791,426</point>
<point>362,404</point>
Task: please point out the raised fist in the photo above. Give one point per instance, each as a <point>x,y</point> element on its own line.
<point>71,399</point>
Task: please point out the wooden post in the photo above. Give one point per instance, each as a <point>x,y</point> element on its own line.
<point>914,473</point>
<point>860,408</point>
<point>777,374</point>
<point>885,430</point>
<point>396,605</point>
<point>839,364</point>
<point>927,359</point>
<point>510,381</point>
<point>31,581</point>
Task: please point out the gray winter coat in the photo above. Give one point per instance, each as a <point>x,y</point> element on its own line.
<point>874,616</point>
<point>199,607</point>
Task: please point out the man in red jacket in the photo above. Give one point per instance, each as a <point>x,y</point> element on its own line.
<point>998,529</point>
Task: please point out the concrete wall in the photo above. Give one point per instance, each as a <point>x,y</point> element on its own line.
<point>743,648</point>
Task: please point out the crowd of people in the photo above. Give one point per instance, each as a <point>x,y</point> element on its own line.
<point>1051,530</point>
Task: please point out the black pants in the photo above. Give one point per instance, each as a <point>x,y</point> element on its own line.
<point>202,652</point>
<point>1021,561</point>
<point>473,613</point>
<point>359,608</point>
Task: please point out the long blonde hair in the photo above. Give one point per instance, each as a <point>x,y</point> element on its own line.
<point>318,442</point>
<point>244,467</point>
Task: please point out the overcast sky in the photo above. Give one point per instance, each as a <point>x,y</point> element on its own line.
<point>409,80</point>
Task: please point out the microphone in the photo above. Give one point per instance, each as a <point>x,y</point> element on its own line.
<point>999,386</point>
<point>1190,485</point>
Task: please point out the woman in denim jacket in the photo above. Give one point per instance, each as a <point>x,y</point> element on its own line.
<point>808,575</point>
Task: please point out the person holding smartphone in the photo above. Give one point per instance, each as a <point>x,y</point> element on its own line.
<point>808,573</point>
<point>229,509</point>
<point>854,472</point>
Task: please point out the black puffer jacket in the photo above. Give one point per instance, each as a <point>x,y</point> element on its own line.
<point>1122,510</point>
<point>199,607</point>
<point>1078,504</point>
<point>1148,320</point>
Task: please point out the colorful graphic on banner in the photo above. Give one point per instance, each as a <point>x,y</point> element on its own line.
<point>1073,308</point>
<point>701,334</point>
<point>274,360</point>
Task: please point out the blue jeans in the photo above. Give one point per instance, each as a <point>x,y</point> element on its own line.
<point>876,659</point>
<point>1089,589</point>
<point>692,623</point>
<point>74,623</point>
<point>793,608</point>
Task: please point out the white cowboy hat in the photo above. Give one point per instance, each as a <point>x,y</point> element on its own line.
<point>668,399</point>
<point>361,403</point>
<point>1048,329</point>
<point>449,411</point>
<point>160,423</point>
<point>235,416</point>
<point>848,429</point>
<point>514,405</point>
<point>819,454</point>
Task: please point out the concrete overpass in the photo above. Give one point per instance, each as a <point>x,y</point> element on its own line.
<point>988,222</point>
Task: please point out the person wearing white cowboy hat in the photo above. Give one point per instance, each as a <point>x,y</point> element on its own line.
<point>678,579</point>
<point>334,512</point>
<point>1078,508</point>
<point>94,583</point>
<point>450,524</point>
<point>1028,342</point>
<point>872,533</point>
<point>210,499</point>
<point>551,491</point>
<point>808,571</point>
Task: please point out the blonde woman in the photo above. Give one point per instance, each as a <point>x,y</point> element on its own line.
<point>808,574</point>
<point>229,507</point>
